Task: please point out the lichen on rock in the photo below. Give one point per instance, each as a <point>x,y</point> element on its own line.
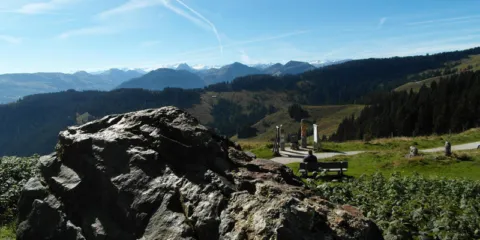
<point>159,174</point>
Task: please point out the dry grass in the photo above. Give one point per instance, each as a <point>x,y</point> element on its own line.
<point>473,60</point>
<point>326,117</point>
<point>248,145</point>
<point>415,86</point>
<point>202,111</point>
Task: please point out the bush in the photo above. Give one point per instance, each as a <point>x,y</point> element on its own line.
<point>462,157</point>
<point>409,207</point>
<point>297,112</point>
<point>14,173</point>
<point>367,137</point>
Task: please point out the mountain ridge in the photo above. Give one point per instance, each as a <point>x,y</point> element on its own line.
<point>164,77</point>
<point>17,85</point>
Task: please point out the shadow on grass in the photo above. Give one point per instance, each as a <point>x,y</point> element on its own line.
<point>294,156</point>
<point>330,151</point>
<point>290,151</point>
<point>329,177</point>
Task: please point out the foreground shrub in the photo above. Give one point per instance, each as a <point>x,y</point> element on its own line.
<point>14,173</point>
<point>406,207</point>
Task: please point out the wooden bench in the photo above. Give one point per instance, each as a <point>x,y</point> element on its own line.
<point>338,167</point>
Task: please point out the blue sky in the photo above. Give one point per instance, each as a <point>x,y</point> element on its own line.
<point>69,35</point>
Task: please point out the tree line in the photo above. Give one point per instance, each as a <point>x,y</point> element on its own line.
<point>231,118</point>
<point>31,125</point>
<point>451,105</point>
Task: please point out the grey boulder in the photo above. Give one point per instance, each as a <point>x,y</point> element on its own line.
<point>159,174</point>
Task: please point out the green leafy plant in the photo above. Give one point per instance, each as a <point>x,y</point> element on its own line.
<point>14,173</point>
<point>406,207</point>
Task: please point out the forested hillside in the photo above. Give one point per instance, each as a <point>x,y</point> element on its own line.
<point>349,82</point>
<point>472,63</point>
<point>452,105</point>
<point>32,124</point>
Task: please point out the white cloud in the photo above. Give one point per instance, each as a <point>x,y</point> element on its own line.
<point>245,58</point>
<point>444,20</point>
<point>99,30</point>
<point>195,17</point>
<point>129,6</point>
<point>10,39</point>
<point>214,29</point>
<point>250,41</point>
<point>186,15</point>
<point>381,22</point>
<point>43,7</point>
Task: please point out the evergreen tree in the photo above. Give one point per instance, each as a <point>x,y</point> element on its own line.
<point>452,104</point>
<point>297,112</point>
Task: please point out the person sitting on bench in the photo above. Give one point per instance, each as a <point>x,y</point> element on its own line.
<point>310,158</point>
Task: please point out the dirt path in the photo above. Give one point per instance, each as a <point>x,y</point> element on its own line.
<point>291,156</point>
<point>466,146</point>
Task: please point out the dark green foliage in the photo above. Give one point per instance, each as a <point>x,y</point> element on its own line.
<point>272,109</point>
<point>297,112</point>
<point>14,173</point>
<point>452,105</point>
<point>227,116</point>
<point>347,82</point>
<point>408,207</point>
<point>247,132</point>
<point>231,118</point>
<point>32,124</point>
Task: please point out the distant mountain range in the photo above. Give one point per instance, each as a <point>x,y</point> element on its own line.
<point>164,77</point>
<point>15,86</point>
<point>292,67</point>
<point>227,73</point>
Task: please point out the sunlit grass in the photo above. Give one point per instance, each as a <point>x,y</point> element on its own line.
<point>403,143</point>
<point>326,117</point>
<point>7,232</point>
<point>464,164</point>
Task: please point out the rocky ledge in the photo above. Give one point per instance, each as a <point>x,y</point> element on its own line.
<point>159,174</point>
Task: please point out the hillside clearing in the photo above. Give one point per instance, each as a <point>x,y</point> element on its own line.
<point>403,143</point>
<point>472,63</point>
<point>415,86</point>
<point>202,111</point>
<point>326,117</point>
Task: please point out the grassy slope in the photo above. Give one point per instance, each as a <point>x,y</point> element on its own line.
<point>415,86</point>
<point>7,232</point>
<point>473,60</point>
<point>202,111</point>
<point>403,143</point>
<point>464,164</point>
<point>327,118</point>
<point>388,155</point>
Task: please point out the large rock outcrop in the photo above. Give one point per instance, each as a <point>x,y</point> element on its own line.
<point>159,174</point>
